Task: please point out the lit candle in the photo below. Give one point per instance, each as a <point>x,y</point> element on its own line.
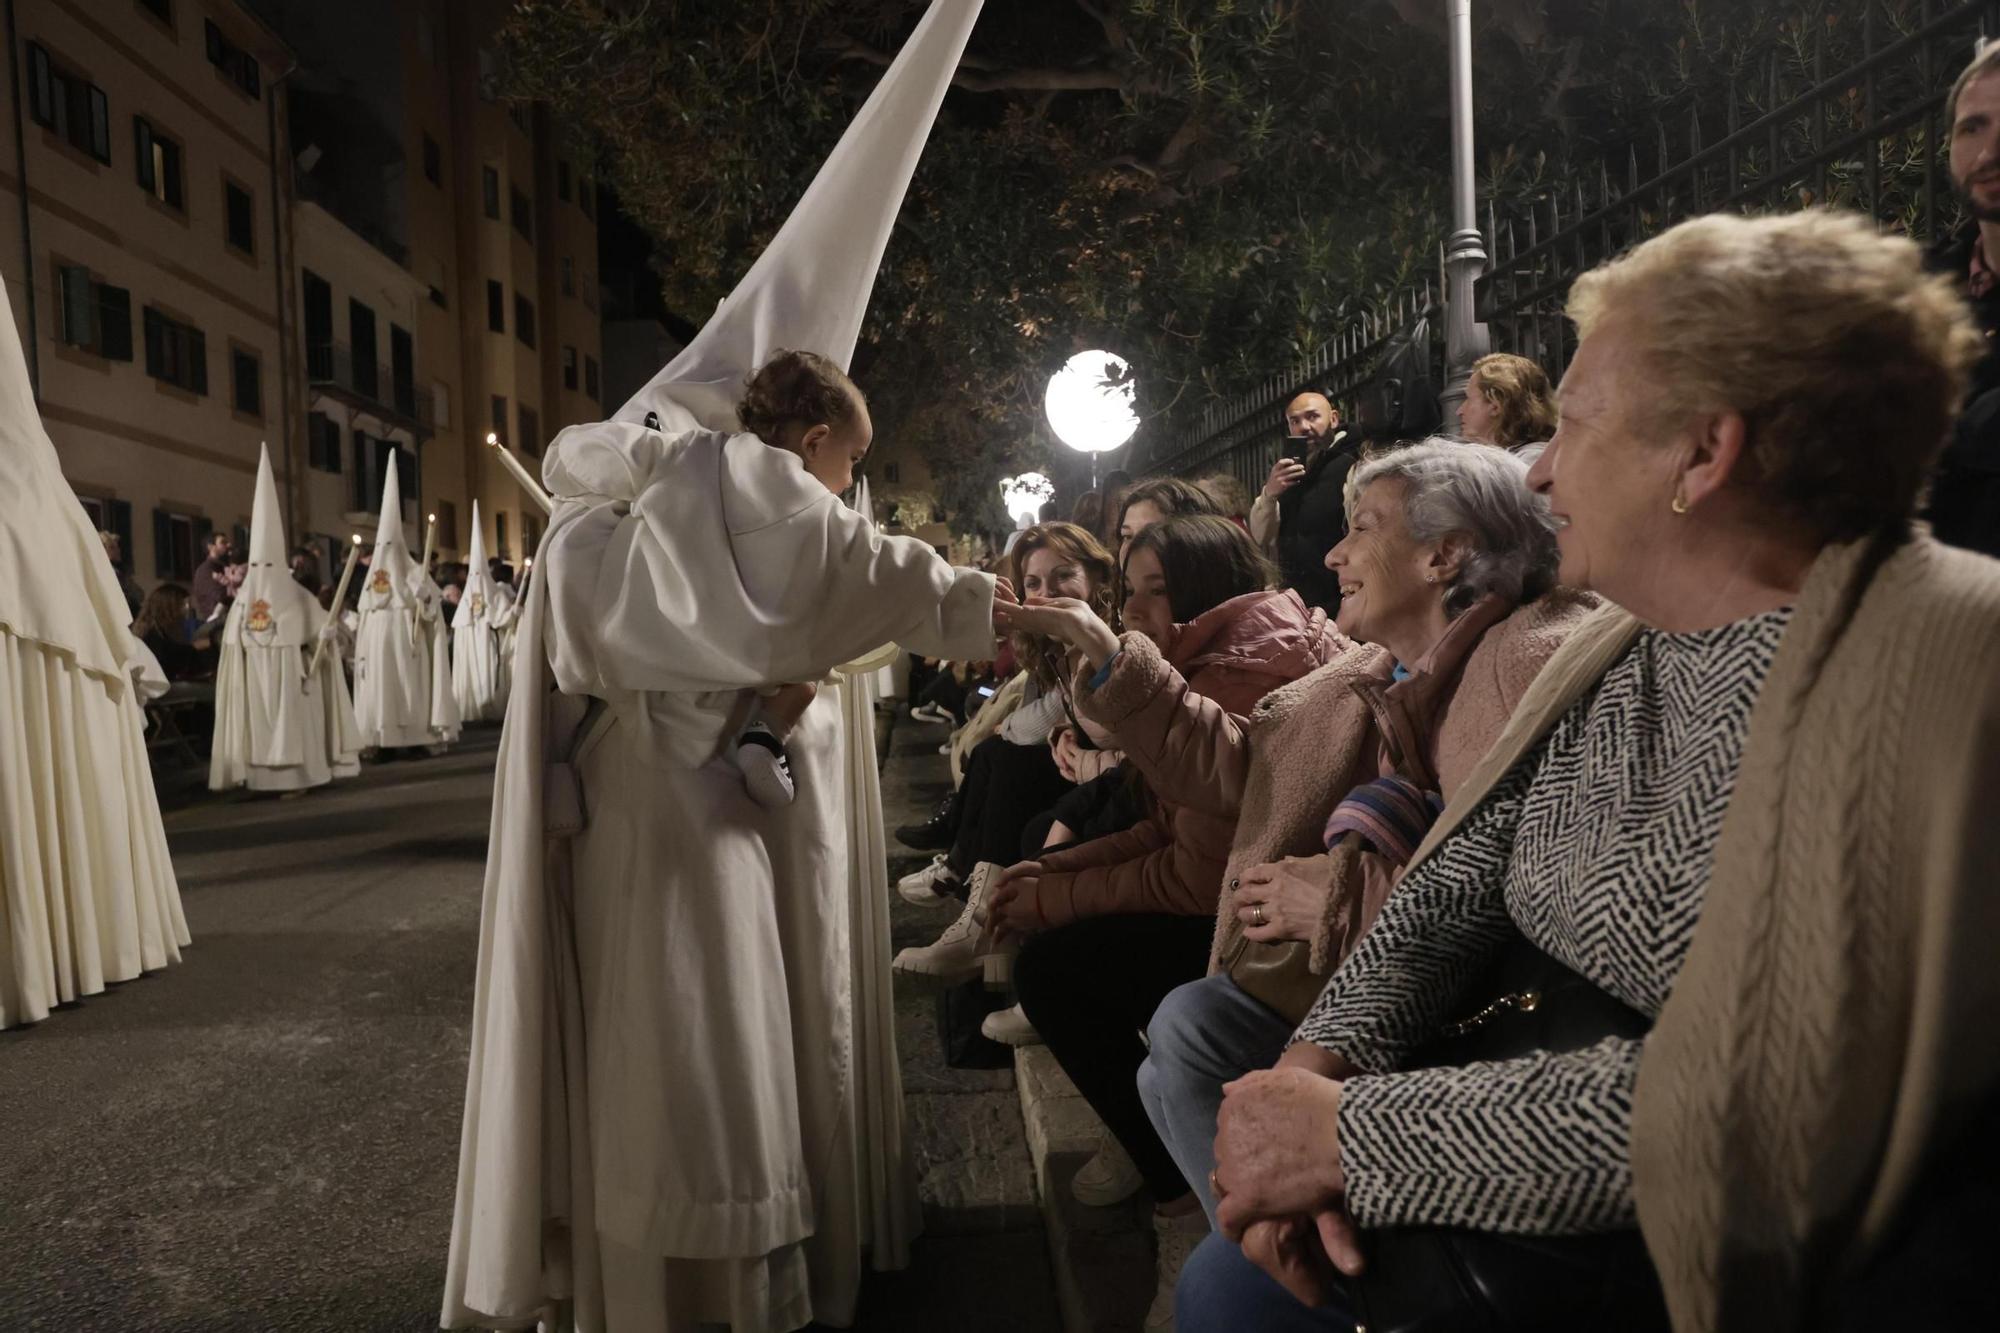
<point>430,541</point>
<point>339,601</point>
<point>521,474</point>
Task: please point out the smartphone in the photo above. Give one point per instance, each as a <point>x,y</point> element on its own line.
<point>1296,446</point>
<point>984,691</point>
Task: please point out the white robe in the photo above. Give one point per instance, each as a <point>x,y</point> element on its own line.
<point>481,636</point>
<point>702,1105</point>
<point>402,668</point>
<point>87,892</point>
<point>275,730</point>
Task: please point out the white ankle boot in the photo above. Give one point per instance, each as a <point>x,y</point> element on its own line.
<point>956,956</point>
<point>1010,1027</point>
<point>1108,1178</point>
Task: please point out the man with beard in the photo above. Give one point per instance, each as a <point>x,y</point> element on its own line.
<point>1302,513</point>
<point>1964,506</point>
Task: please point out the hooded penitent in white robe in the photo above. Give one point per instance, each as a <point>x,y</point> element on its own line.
<point>275,730</point>
<point>682,1104</point>
<point>402,667</point>
<point>87,893</point>
<point>480,636</point>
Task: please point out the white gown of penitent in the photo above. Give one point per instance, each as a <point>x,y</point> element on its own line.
<point>275,729</point>
<point>87,892</point>
<point>481,637</point>
<point>402,665</point>
<point>682,1106</point>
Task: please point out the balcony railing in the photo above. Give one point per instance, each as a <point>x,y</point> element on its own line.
<point>333,365</point>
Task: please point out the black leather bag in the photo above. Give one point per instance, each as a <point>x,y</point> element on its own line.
<point>1453,1280</point>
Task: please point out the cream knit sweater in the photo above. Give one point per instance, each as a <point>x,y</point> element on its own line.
<point>1833,1020</point>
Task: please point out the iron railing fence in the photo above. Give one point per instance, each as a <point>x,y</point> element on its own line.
<point>1243,434</point>
<point>1785,134</point>
<point>334,365</point>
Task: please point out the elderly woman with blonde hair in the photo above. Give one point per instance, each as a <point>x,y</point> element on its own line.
<point>1736,841</point>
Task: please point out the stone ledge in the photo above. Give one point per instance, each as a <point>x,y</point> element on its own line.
<point>1102,1257</point>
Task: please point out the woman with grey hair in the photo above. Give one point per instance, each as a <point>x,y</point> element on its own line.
<point>1448,608</point>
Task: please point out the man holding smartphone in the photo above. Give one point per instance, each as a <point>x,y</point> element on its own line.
<point>1302,512</point>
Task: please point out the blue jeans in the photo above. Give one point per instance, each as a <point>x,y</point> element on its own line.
<point>1204,1034</point>
<point>1222,1292</point>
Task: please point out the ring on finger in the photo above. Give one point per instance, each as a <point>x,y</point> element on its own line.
<point>1257,917</point>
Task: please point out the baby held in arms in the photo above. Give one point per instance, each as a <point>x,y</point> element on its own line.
<point>802,403</point>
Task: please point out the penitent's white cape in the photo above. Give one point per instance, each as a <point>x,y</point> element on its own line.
<point>402,667</point>
<point>480,636</point>
<point>682,1104</point>
<point>275,730</point>
<point>87,893</point>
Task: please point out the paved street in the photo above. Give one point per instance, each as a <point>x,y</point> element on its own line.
<point>265,1137</point>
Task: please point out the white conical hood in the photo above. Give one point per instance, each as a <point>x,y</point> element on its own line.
<point>391,566</point>
<point>267,520</point>
<point>271,609</point>
<point>809,289</point>
<point>56,587</point>
<point>477,599</point>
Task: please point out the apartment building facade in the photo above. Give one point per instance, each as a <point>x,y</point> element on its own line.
<point>201,259</point>
<point>140,244</point>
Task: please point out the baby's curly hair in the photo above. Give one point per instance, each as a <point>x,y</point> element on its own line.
<point>802,387</point>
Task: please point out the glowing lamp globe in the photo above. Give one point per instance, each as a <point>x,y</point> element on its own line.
<point>1091,402</point>
<point>1025,495</point>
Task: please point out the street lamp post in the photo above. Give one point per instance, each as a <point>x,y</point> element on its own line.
<point>1090,403</point>
<point>1465,338</point>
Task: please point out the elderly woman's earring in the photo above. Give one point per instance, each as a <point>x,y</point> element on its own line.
<point>1430,578</point>
<point>1680,504</point>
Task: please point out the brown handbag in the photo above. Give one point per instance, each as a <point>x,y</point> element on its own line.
<point>1279,975</point>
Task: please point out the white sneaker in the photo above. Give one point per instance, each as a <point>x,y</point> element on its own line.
<point>766,768</point>
<point>1107,1178</point>
<point>1176,1238</point>
<point>1010,1027</point>
<point>931,713</point>
<point>955,957</point>
<point>923,888</point>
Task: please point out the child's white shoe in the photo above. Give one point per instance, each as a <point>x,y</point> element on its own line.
<point>766,768</point>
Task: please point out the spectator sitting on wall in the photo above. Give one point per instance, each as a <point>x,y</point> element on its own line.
<point>206,587</point>
<point>1302,513</point>
<point>1964,504</point>
<point>1508,402</point>
<point>114,551</point>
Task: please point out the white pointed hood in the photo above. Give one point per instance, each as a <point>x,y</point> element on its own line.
<point>809,290</point>
<point>271,609</point>
<point>483,595</point>
<point>56,587</point>
<point>390,569</point>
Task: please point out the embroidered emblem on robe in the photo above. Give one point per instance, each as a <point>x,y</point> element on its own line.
<point>379,581</point>
<point>259,620</point>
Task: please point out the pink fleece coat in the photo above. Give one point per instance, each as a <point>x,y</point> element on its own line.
<point>1278,772</point>
<point>1172,860</point>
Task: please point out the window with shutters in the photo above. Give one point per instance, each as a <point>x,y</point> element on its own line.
<point>523,213</point>
<point>568,270</point>
<point>402,371</point>
<point>114,517</point>
<point>496,306</point>
<point>176,353</point>
<point>366,492</point>
<point>322,442</point>
<point>361,342</point>
<point>569,366</point>
<point>247,386</point>
<point>500,535</point>
<point>95,316</point>
<point>447,530</point>
<point>590,377</point>
<point>160,164</point>
<point>238,66</point>
<point>69,105</point>
<point>489,191</point>
<point>499,418</point>
<point>177,542</point>
<point>524,319</point>
<point>531,431</point>
<point>238,217</point>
